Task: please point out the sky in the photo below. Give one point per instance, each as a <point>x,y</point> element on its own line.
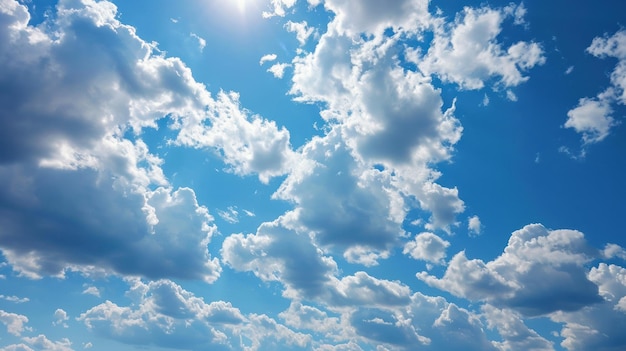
<point>312,175</point>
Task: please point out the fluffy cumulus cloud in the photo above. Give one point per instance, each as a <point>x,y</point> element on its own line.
<point>60,317</point>
<point>248,143</point>
<point>466,52</point>
<point>164,314</point>
<point>14,322</point>
<point>77,83</point>
<point>474,226</point>
<point>279,253</point>
<point>393,116</point>
<point>515,334</point>
<point>85,192</point>
<point>427,323</point>
<point>599,326</point>
<point>374,17</point>
<point>592,117</point>
<point>540,271</point>
<point>344,204</point>
<point>160,233</point>
<point>428,247</point>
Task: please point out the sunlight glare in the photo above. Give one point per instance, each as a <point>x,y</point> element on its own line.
<point>241,4</point>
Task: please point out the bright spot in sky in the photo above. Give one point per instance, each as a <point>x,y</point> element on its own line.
<point>241,4</point>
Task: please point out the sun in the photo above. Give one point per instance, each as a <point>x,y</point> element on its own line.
<point>241,4</point>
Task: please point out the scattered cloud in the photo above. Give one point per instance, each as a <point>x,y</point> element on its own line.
<point>41,342</point>
<point>279,8</point>
<point>60,318</point>
<point>515,334</point>
<point>510,95</point>
<point>485,100</point>
<point>278,70</point>
<point>14,299</point>
<point>598,326</point>
<point>230,215</point>
<point>201,41</point>
<point>249,144</point>
<point>302,30</point>
<point>166,315</point>
<point>467,53</point>
<point>474,226</point>
<point>592,117</point>
<point>267,58</point>
<point>428,247</point>
<point>92,290</point>
<point>15,323</point>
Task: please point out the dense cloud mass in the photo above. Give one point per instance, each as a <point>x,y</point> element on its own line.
<point>540,271</point>
<point>358,231</point>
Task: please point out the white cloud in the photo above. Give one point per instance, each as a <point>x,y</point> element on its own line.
<point>540,271</point>
<point>278,8</point>
<point>510,95</point>
<point>404,131</point>
<point>443,203</point>
<point>301,316</point>
<point>516,335</point>
<point>598,326</point>
<point>373,17</point>
<point>249,144</point>
<point>345,206</point>
<point>92,290</point>
<point>76,151</point>
<point>363,290</point>
<point>428,247</point>
<point>278,70</point>
<point>166,315</point>
<point>41,342</point>
<point>302,30</point>
<point>14,322</point>
<point>474,226</point>
<point>613,46</point>
<point>614,250</point>
<point>132,233</point>
<point>201,41</point>
<point>278,253</point>
<point>267,58</point>
<point>485,100</point>
<point>467,52</point>
<point>231,215</point>
<point>60,318</point>
<point>592,117</point>
<point>14,299</point>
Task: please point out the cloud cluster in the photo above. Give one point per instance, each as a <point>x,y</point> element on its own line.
<point>85,193</point>
<point>165,315</point>
<point>592,117</point>
<point>82,193</point>
<point>540,271</point>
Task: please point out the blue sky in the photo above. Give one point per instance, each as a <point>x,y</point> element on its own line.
<point>312,175</point>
